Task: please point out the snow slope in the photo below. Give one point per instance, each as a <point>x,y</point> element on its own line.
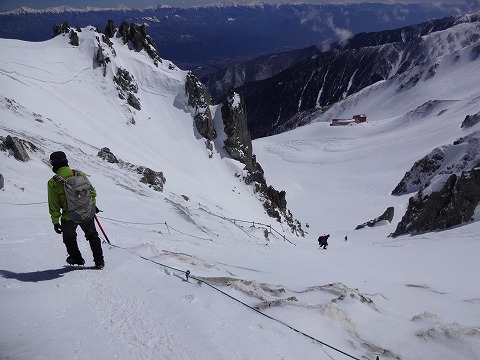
<point>248,296</point>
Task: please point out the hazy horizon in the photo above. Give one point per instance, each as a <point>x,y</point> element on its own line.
<point>8,5</point>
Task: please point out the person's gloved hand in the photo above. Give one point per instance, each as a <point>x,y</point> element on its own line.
<point>97,210</point>
<point>57,228</point>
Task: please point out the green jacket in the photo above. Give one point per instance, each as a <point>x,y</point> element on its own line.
<point>57,202</point>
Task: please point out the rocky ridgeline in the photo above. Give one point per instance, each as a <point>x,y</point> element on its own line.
<point>133,34</point>
<point>238,144</point>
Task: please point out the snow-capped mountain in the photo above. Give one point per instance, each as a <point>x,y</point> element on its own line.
<point>333,75</point>
<point>117,112</point>
<point>239,32</point>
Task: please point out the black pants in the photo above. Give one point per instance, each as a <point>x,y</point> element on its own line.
<point>69,233</point>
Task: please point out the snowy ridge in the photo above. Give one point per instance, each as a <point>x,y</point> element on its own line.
<point>60,9</point>
<point>367,295</point>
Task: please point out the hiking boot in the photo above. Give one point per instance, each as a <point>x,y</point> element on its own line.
<point>73,261</point>
<point>99,265</point>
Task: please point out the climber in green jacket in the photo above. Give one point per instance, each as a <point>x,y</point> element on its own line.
<point>61,218</point>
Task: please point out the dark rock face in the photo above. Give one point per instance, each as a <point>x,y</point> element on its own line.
<point>448,187</point>
<point>100,57</point>
<point>153,179</point>
<point>2,182</point>
<point>199,100</point>
<point>127,87</point>
<point>439,162</point>
<point>109,29</point>
<point>17,146</point>
<point>140,40</point>
<point>386,216</point>
<point>61,28</point>
<point>239,145</point>
<point>421,172</point>
<point>471,120</point>
<point>106,154</point>
<point>452,205</point>
<point>73,37</point>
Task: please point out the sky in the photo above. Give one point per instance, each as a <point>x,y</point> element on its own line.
<point>249,296</point>
<point>6,5</point>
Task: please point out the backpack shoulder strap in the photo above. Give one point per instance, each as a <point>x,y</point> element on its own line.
<point>59,178</point>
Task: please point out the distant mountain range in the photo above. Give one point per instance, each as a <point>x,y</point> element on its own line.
<point>208,38</point>
<point>284,101</point>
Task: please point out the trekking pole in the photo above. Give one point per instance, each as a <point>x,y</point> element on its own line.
<point>101,228</point>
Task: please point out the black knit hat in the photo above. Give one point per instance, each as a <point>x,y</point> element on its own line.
<point>58,159</point>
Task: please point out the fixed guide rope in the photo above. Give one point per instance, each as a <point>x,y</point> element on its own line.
<point>200,281</point>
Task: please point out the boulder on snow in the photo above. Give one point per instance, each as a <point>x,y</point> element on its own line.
<point>106,154</point>
<point>153,179</point>
<point>17,147</point>
<point>471,120</point>
<point>386,216</point>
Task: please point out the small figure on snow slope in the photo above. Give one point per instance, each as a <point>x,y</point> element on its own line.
<point>62,216</point>
<point>322,241</point>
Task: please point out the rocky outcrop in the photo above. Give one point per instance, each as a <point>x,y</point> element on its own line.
<point>386,216</point>
<point>2,182</point>
<point>127,87</point>
<point>106,154</point>
<point>452,204</point>
<point>61,28</point>
<point>73,37</point>
<point>440,161</point>
<point>199,100</point>
<point>471,120</point>
<point>154,179</point>
<point>447,182</point>
<point>17,147</point>
<point>109,29</point>
<point>139,38</point>
<point>239,145</point>
<point>420,173</point>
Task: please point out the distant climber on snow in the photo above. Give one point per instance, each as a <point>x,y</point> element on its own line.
<point>322,241</point>
<point>71,202</point>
